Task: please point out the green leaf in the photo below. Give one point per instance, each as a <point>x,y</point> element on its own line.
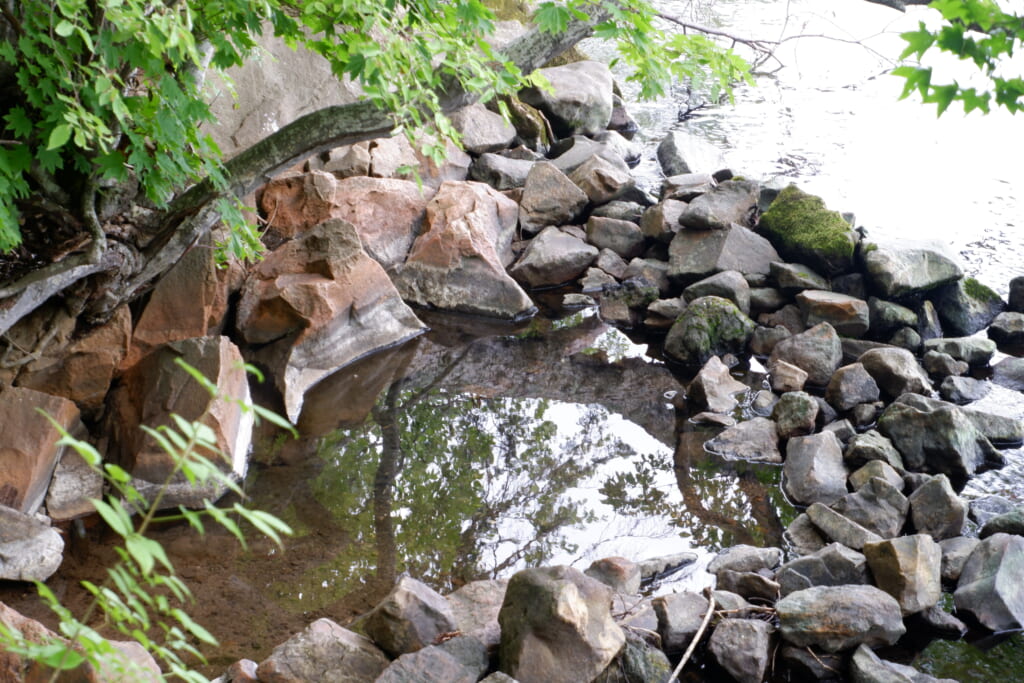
<point>59,136</point>
<point>64,28</point>
<point>551,18</point>
<point>115,517</point>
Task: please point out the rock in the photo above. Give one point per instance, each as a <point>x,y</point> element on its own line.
<point>680,152</point>
<point>409,618</point>
<point>941,440</point>
<point>242,671</point>
<point>652,271</point>
<point>570,153</point>
<point>30,451</point>
<point>1011,522</point>
<point>549,198</point>
<point>832,565</point>
<point>695,254</point>
<point>906,338</point>
<point>793,278</point>
<point>686,186</point>
<point>763,342</point>
<point>955,552</point>
<point>638,662</point>
<point>998,429</point>
<point>887,316</point>
<point>482,130</point>
<point>346,161</point>
<point>320,302</point>
<point>962,390</point>
<point>1007,329</point>
<point>622,121</point>
<point>937,510</point>
<point>803,230</point>
<point>1015,302</point>
<point>16,668</point>
<point>907,568</point>
<point>989,589</point>
<point>794,414</point>
<point>896,268</point>
<point>602,180</point>
<point>867,667</point>
<point>553,257</point>
<point>849,316</point>
<point>763,403</point>
<point>871,445</point>
<point>971,350</point>
<point>876,468</point>
<point>743,648</point>
<point>803,537</point>
<point>630,152</point>
<point>714,388</point>
<point>611,263</point>
<point>786,376</point>
<point>986,507</point>
<point>766,300</point>
<point>843,429</point>
<point>596,280</point>
<point>155,388</point>
<point>429,665</point>
<point>728,203</point>
<point>837,618</point>
<point>579,100</point>
<point>812,665</point>
<point>501,172</point>
<point>817,351</point>
<point>813,470</point>
<point>661,221</point>
<point>840,528</point>
<point>939,622</point>
<point>745,558</point>
<point>323,652</point>
<point>750,585</point>
<point>896,372</point>
<point>943,364</point>
<point>656,567</point>
<point>82,371</point>
<point>29,549</point>
<point>850,385</point>
<point>1009,372</point>
<point>475,607</point>
<point>618,573</point>
<point>710,326</point>
<point>966,306</point>
<point>728,284</point>
<point>877,505</point>
<point>679,618</point>
<point>556,625</point>
<point>622,237</point>
<point>74,482</point>
<point>754,440</point>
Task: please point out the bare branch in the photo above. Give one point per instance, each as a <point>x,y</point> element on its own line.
<point>758,45</point>
<point>900,5</point>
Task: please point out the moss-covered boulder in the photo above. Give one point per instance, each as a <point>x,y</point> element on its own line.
<point>966,306</point>
<point>710,326</point>
<point>800,227</point>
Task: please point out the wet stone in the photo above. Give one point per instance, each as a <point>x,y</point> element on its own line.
<point>766,300</point>
<point>879,469</point>
<point>943,364</point>
<point>1009,373</point>
<point>866,666</point>
<point>803,537</point>
<point>714,388</point>
<point>961,390</point>
<point>850,385</point>
<point>794,277</point>
<point>989,589</point>
<point>817,351</point>
<point>937,510</point>
<point>896,371</point>
<point>986,507</point>
<point>906,338</point>
<point>887,316</point>
<point>938,622</point>
<point>1007,329</point>
<point>971,350</point>
<point>813,470</point>
<point>787,317</point>
<point>1011,522</point>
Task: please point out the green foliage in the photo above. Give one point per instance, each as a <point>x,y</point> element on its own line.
<point>978,31</point>
<point>142,593</point>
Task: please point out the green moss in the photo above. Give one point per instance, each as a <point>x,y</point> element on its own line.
<point>978,291</point>
<point>804,230</point>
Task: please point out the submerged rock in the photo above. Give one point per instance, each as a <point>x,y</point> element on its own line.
<point>753,440</point>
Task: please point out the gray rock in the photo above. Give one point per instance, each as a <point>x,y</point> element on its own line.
<point>928,324</point>
<point>941,440</point>
<point>877,506</point>
<point>879,469</point>
<point>813,470</point>
<point>639,662</point>
<point>743,648</point>
<point>501,172</point>
<point>745,558</point>
<point>475,607</point>
<point>686,186</point>
<point>714,388</point>
<point>754,440</point>
<point>579,100</point>
<point>971,350</point>
<point>553,257</point>
<point>29,549</point>
<point>896,372</point>
<point>728,203</point>
<point>990,589</point>
<point>848,315</point>
<point>887,316</point>
<point>1009,372</point>
<point>651,270</point>
<point>937,510</point>
<point>680,153</point>
<point>710,326</point>
<point>1015,302</point>
<point>837,618</point>
<point>750,585</point>
<point>556,626</point>
<point>896,268</point>
<point>1011,522</point>
<point>661,221</point>
<point>812,665</point>
<point>794,414</point>
<point>1007,329</point>
<point>966,306</point>
<point>611,263</point>
<point>833,565</point>
<point>995,428</point>
<point>939,622</point>
<point>793,278</point>
<point>429,665</point>
<point>74,482</point>
<point>785,376</point>
<point>549,198</point>
<point>763,403</point>
<point>628,151</point>
<point>803,537</point>
<point>817,351</point>
<point>618,573</point>
<point>409,618</point>
<point>622,237</point>
<point>570,153</point>
<point>324,651</point>
<point>679,617</point>
<point>695,254</point>
<point>482,130</point>
<point>602,180</point>
<point>955,552</point>
<point>850,385</point>
<point>909,569</point>
<point>573,301</point>
<point>986,507</point>
<point>728,284</point>
<point>766,300</point>
<point>657,566</point>
<point>943,364</point>
<point>963,390</point>
<point>843,429</point>
<point>668,308</point>
<point>867,667</point>
<point>840,528</point>
<point>499,677</point>
<point>621,210</point>
<point>906,338</point>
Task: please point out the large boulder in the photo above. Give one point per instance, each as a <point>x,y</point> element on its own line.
<point>728,203</point>
<point>556,626</point>
<point>803,230</point>
<point>909,569</point>
<point>710,326</point>
<point>30,550</point>
<point>695,254</point>
<point>319,303</point>
<point>482,130</point>
<point>549,198</point>
<point>850,385</point>
<point>458,262</point>
<point>814,470</point>
<point>476,606</point>
<point>966,306</point>
<point>154,389</point>
<point>817,351</point>
<point>990,589</point>
<point>840,617</point>
<point>579,99</point>
<point>896,371</point>
<point>553,257</point>
<point>897,268</point>
<point>409,618</point>
<point>30,452</point>
<point>323,652</point>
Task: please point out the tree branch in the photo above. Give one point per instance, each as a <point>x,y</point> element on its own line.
<point>900,5</point>
<point>755,44</point>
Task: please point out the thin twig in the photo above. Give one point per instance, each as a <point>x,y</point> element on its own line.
<point>696,638</point>
<point>11,19</point>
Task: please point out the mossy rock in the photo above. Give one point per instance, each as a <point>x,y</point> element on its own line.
<point>803,230</point>
<point>710,326</point>
<point>966,306</point>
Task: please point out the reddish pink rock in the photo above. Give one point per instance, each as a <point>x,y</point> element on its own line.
<point>292,203</point>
